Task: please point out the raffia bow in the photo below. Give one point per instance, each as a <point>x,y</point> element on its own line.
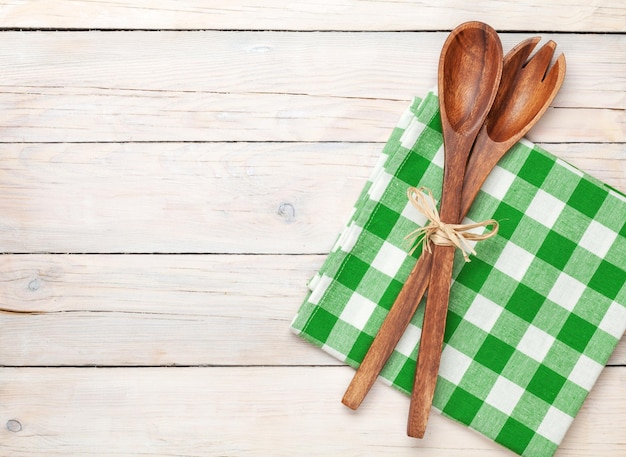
<point>440,233</point>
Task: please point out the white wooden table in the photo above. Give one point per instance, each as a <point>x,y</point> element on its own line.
<point>172,173</point>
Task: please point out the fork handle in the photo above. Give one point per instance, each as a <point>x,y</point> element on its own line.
<point>390,332</point>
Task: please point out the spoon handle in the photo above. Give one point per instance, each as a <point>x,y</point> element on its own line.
<point>457,149</point>
<point>431,342</point>
<point>390,332</point>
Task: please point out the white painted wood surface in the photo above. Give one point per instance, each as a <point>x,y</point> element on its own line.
<point>277,411</point>
<point>172,173</point>
<point>561,15</point>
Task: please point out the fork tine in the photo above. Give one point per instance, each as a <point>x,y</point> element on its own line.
<point>517,56</point>
<point>539,63</point>
<point>556,72</point>
<point>514,60</point>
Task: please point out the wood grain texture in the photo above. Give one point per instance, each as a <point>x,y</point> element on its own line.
<point>375,66</point>
<point>165,197</point>
<point>211,86</point>
<point>201,197</point>
<point>227,152</point>
<point>153,310</point>
<point>201,411</point>
<point>66,115</point>
<point>147,310</point>
<point>561,15</point>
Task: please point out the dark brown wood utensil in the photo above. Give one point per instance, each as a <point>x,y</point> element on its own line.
<point>470,68</point>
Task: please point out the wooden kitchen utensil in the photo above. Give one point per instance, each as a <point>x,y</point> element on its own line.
<point>526,90</point>
<point>411,294</point>
<point>470,68</point>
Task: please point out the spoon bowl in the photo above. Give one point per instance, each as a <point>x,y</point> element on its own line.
<point>470,65</point>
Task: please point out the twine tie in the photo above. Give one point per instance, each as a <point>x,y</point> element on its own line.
<point>440,233</point>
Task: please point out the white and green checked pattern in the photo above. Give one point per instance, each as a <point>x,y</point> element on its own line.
<point>533,317</point>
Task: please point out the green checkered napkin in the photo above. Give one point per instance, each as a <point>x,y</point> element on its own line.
<point>533,317</point>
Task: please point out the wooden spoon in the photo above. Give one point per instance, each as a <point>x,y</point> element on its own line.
<point>470,68</point>
<point>526,90</point>
<point>411,294</point>
<point>472,59</point>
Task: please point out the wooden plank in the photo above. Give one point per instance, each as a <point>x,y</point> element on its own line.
<point>606,162</point>
<point>251,412</point>
<point>154,86</point>
<point>154,310</point>
<point>560,15</point>
<point>189,197</point>
<point>114,310</point>
<point>65,115</point>
<point>103,115</point>
<point>135,89</point>
<point>234,198</point>
<point>393,66</point>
